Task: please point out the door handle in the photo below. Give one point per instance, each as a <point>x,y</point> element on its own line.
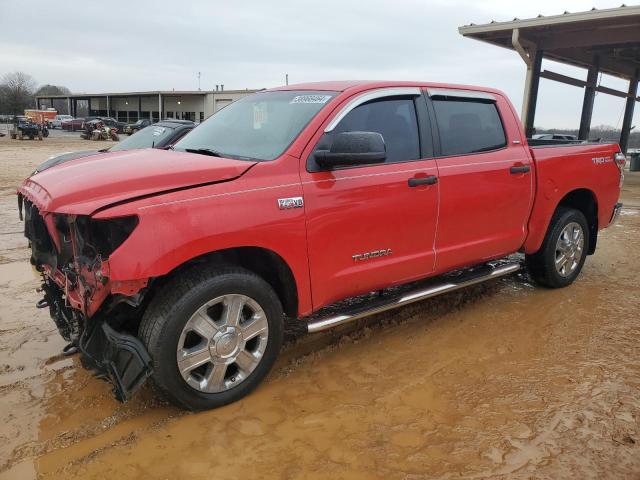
<point>520,169</point>
<point>428,180</point>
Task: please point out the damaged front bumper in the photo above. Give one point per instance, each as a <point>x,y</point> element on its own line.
<point>118,358</point>
<point>71,253</point>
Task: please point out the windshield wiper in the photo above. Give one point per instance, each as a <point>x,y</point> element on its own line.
<point>204,151</point>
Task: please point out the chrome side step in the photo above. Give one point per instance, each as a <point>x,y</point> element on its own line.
<point>411,297</point>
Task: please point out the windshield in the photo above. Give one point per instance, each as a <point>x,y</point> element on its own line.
<point>257,127</point>
<point>146,138</point>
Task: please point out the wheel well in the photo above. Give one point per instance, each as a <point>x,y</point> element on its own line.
<point>265,263</point>
<point>585,201</point>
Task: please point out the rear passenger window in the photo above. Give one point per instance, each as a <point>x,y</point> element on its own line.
<point>468,126</point>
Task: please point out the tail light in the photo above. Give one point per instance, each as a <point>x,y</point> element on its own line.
<point>621,160</point>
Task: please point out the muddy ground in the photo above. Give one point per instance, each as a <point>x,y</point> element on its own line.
<point>501,381</point>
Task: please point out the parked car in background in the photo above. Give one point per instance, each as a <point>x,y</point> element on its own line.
<point>554,136</point>
<point>112,122</point>
<point>73,124</point>
<point>57,121</point>
<point>79,123</point>
<point>139,125</point>
<point>160,135</point>
<point>182,265</point>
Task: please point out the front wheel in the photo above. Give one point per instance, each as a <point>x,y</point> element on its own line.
<point>563,252</point>
<point>213,335</point>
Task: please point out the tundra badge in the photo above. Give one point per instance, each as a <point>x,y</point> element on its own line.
<point>376,253</point>
<point>288,203</point>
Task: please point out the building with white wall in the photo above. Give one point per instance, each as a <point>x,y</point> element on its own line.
<point>130,106</point>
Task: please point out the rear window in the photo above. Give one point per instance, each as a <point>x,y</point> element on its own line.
<point>468,126</point>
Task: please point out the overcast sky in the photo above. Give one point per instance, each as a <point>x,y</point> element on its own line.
<point>94,46</point>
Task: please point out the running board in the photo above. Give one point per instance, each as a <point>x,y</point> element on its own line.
<point>416,296</point>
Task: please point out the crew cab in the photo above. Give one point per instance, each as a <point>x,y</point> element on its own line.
<point>181,265</point>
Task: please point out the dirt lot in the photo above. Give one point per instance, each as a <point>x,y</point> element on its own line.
<point>501,381</point>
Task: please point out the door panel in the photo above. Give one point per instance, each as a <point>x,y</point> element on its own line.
<point>358,211</point>
<point>367,227</point>
<point>484,205</point>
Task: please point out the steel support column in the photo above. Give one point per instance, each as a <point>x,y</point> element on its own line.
<point>587,103</point>
<point>628,112</point>
<point>531,93</point>
<point>139,106</point>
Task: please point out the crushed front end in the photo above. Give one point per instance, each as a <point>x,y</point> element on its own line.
<point>71,253</point>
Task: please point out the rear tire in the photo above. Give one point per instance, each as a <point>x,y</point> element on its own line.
<point>563,251</point>
<point>201,357</point>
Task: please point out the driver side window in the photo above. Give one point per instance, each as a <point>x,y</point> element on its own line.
<point>394,118</point>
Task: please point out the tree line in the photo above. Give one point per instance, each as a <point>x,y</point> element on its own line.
<point>18,91</point>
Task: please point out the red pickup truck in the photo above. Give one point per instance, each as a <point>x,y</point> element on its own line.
<point>183,264</point>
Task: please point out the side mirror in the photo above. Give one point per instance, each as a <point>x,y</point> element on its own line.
<point>353,148</point>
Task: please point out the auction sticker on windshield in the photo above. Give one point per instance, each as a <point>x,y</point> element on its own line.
<point>157,131</point>
<point>311,99</point>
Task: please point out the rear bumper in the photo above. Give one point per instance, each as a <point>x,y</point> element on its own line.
<point>118,358</point>
<point>615,214</point>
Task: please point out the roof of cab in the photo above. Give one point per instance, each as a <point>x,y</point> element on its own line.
<point>343,85</point>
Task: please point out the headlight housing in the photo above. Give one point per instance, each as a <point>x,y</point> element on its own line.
<point>104,236</point>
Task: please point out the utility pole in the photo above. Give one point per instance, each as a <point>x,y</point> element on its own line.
<point>286,79</point>
<point>199,74</point>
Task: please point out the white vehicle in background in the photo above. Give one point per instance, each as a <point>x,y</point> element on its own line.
<point>57,121</point>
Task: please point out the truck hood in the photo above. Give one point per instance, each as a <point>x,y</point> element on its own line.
<point>87,184</point>
<point>63,158</point>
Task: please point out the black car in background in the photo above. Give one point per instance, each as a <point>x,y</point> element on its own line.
<point>139,125</point>
<point>159,135</point>
<point>109,122</point>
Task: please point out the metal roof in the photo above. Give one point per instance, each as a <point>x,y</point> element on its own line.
<point>612,35</point>
<point>167,93</point>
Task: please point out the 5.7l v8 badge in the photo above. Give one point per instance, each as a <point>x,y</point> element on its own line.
<point>292,202</point>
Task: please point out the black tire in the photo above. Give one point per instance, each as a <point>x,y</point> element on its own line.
<point>541,265</point>
<point>176,302</point>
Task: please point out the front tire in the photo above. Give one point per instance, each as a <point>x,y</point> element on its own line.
<point>213,335</point>
<point>563,252</point>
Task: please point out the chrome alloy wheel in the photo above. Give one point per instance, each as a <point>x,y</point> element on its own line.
<point>222,343</point>
<point>569,249</point>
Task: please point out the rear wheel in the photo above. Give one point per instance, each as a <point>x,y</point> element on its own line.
<point>563,252</point>
<point>213,335</point>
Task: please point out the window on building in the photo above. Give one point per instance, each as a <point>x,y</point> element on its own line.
<point>133,116</point>
<point>169,114</point>
<point>155,116</point>
<point>189,116</point>
<point>468,126</point>
<point>201,117</point>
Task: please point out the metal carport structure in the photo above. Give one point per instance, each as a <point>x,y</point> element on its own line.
<point>606,41</point>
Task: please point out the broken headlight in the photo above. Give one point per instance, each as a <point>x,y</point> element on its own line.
<point>105,236</point>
